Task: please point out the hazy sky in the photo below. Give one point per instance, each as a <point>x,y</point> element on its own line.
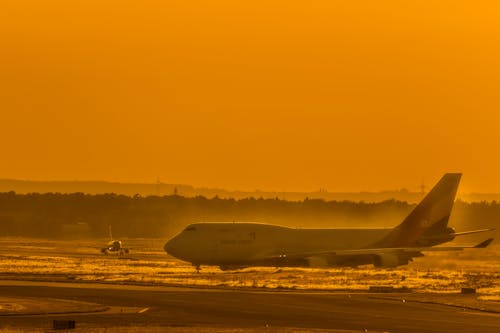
<point>275,95</point>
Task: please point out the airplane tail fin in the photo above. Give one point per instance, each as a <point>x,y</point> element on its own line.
<point>484,244</point>
<point>430,216</point>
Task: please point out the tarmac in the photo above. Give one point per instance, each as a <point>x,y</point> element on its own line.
<point>28,305</point>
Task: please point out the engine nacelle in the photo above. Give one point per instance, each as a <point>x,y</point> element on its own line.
<point>389,260</point>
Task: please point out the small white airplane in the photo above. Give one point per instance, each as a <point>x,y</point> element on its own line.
<point>114,246</point>
<point>239,245</point>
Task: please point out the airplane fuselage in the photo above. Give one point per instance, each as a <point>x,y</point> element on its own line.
<point>241,244</point>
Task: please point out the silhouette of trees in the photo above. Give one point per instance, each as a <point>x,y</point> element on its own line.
<point>49,215</point>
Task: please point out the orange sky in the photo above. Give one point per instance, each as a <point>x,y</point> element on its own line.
<point>343,95</point>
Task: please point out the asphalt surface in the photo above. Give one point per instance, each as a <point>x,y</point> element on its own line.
<point>244,309</point>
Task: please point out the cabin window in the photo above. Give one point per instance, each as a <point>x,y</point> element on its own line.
<point>190,229</point>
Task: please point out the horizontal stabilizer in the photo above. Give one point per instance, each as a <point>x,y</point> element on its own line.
<point>472,232</point>
<point>484,244</point>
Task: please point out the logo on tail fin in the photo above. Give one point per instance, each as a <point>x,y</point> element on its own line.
<point>431,214</point>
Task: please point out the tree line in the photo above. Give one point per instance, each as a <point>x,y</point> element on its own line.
<point>56,215</point>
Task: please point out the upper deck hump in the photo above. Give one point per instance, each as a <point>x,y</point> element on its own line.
<point>232,226</point>
<point>227,226</point>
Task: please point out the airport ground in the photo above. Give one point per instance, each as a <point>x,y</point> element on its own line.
<point>148,291</point>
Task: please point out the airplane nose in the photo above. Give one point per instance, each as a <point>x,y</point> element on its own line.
<point>169,246</point>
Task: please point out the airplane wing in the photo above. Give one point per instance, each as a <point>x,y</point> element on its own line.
<point>390,250</point>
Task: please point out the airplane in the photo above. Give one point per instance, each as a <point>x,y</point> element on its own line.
<point>114,246</point>
<point>240,245</point>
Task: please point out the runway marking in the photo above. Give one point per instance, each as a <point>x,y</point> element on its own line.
<point>143,310</point>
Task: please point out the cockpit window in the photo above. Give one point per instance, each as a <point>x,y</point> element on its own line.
<point>190,229</point>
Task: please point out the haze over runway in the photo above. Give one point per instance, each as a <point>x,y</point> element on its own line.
<point>286,96</point>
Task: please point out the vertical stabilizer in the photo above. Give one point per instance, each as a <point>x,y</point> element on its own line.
<point>433,212</point>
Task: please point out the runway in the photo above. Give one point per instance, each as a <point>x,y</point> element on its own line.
<point>189,307</point>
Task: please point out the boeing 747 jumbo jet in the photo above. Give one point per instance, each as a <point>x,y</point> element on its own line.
<point>239,245</point>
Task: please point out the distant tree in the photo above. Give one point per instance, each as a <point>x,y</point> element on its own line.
<point>46,215</point>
